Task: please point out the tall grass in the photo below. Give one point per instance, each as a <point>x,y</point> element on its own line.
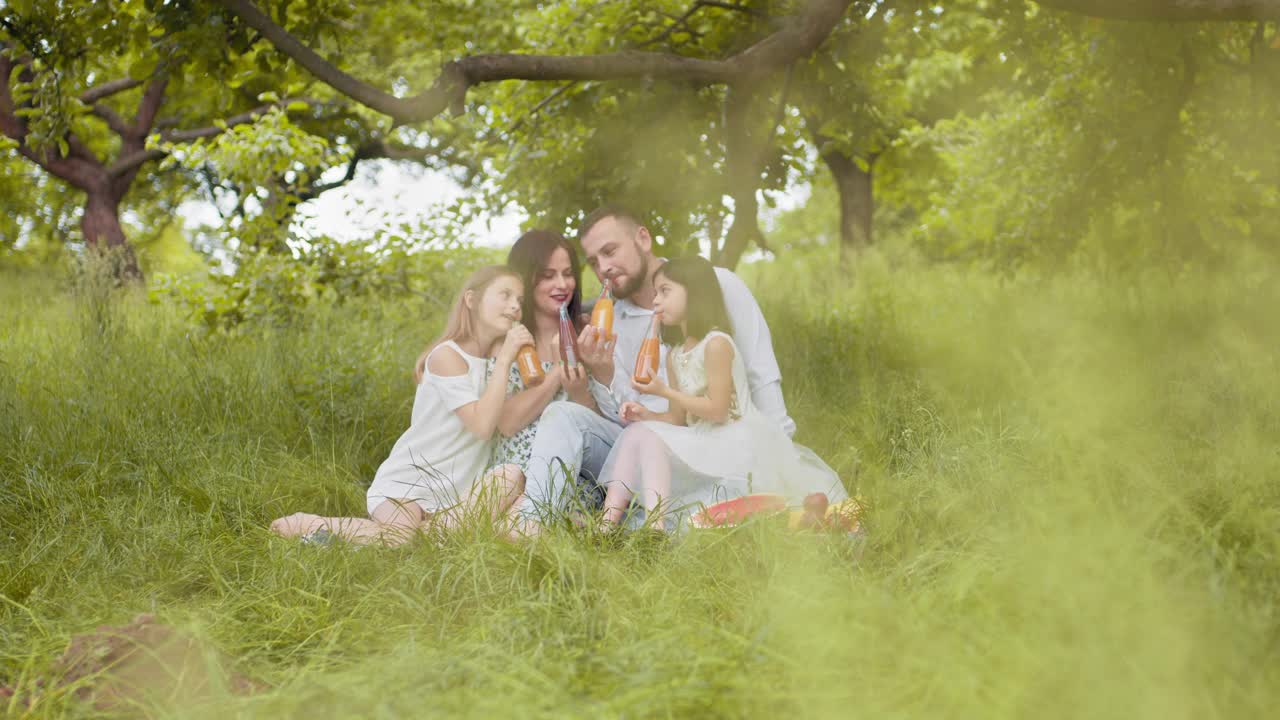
<point>1075,480</point>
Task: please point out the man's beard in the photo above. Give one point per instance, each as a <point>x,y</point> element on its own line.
<point>633,284</point>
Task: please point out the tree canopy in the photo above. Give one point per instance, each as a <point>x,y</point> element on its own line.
<point>977,128</point>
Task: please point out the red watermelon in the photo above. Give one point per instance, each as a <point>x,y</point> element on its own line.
<point>732,512</point>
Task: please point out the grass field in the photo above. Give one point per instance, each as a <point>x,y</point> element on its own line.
<point>1075,482</point>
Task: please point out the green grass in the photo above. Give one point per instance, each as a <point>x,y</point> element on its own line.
<point>1075,478</point>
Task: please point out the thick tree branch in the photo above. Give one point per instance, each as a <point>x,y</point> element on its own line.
<point>798,37</point>
<point>1183,10</point>
<point>107,89</point>
<point>78,168</point>
<point>152,99</point>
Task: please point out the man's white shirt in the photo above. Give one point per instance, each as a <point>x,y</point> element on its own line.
<point>750,334</point>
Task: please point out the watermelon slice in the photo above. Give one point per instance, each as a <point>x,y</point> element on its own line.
<point>733,512</point>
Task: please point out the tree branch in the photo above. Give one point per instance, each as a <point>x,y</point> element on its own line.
<point>79,168</point>
<point>111,118</point>
<point>798,37</point>
<point>550,98</point>
<point>683,20</point>
<point>133,160</point>
<point>107,89</point>
<point>152,99</point>
<point>1181,10</point>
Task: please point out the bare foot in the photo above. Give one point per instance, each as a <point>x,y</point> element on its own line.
<point>297,524</point>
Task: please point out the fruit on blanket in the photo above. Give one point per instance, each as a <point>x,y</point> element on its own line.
<point>846,515</point>
<point>817,513</point>
<point>812,515</point>
<point>732,512</point>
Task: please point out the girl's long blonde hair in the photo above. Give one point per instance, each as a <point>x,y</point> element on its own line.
<point>461,324</point>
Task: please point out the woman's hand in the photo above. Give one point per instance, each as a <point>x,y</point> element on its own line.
<point>517,337</point>
<point>635,412</point>
<point>575,381</point>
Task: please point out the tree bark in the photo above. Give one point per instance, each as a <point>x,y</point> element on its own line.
<point>857,203</point>
<point>742,176</point>
<point>104,234</point>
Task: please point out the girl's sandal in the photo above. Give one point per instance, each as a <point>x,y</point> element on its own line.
<point>320,537</point>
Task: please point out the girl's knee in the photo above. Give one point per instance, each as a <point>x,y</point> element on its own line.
<point>513,476</point>
<point>399,512</point>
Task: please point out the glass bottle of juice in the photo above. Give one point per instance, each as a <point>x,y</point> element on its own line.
<point>602,313</point>
<point>568,340</point>
<point>530,366</point>
<point>650,354</point>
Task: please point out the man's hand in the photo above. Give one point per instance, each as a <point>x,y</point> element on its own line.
<point>596,352</point>
<point>575,381</point>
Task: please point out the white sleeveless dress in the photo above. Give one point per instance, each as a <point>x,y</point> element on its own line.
<point>437,460</point>
<point>712,462</point>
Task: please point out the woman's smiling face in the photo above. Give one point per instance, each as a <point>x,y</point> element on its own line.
<point>555,284</point>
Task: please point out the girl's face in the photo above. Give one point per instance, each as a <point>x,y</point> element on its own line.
<point>499,307</point>
<point>671,301</point>
<point>555,284</point>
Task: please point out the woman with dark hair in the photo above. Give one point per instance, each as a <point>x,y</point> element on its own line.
<point>548,265</point>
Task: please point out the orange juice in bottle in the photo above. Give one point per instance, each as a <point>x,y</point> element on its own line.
<point>602,313</point>
<point>650,354</point>
<point>530,366</point>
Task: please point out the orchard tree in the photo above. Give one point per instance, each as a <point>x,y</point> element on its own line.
<point>686,136</point>
<point>109,95</point>
<point>695,81</point>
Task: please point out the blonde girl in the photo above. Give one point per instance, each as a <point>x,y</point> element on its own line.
<point>436,471</point>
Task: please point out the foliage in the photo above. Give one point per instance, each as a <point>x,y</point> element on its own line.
<point>271,288</point>
<point>1135,142</point>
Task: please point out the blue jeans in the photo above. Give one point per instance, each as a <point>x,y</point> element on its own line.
<point>571,442</point>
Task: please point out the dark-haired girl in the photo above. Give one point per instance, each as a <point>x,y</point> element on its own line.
<point>712,443</point>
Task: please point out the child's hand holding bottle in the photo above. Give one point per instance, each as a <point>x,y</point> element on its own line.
<point>656,386</point>
<point>517,337</point>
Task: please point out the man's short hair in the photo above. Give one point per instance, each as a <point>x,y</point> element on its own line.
<point>618,212</point>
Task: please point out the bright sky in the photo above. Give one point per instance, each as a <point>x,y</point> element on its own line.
<point>385,194</point>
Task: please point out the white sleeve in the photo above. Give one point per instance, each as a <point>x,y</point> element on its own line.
<point>751,335</point>
<point>455,390</point>
<point>750,330</point>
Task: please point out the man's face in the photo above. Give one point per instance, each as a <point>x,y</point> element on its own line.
<point>617,251</point>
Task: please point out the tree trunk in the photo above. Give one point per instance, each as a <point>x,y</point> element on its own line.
<point>742,177</point>
<point>857,203</point>
<point>104,234</point>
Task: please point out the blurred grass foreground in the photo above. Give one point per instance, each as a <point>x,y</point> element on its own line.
<point>1075,481</point>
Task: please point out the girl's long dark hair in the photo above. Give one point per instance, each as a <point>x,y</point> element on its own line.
<point>529,257</point>
<point>705,310</point>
